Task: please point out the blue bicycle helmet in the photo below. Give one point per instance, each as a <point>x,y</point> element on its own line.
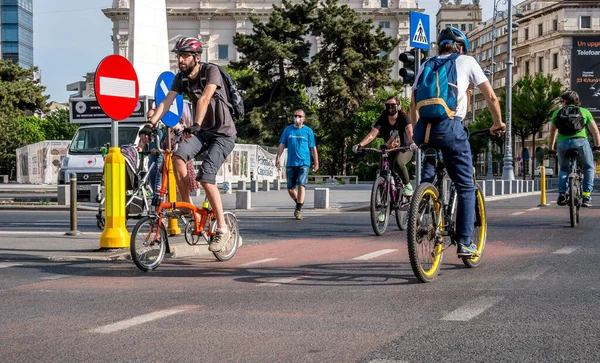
<point>451,34</point>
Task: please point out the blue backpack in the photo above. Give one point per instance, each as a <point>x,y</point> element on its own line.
<point>437,91</point>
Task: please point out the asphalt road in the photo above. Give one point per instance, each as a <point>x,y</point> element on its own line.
<point>323,289</point>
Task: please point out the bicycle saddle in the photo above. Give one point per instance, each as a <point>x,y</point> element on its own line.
<point>572,153</point>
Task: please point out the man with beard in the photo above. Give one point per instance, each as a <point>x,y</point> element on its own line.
<point>300,142</point>
<point>213,128</point>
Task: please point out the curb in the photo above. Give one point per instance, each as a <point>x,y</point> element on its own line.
<point>45,207</point>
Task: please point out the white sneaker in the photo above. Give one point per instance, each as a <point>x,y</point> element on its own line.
<point>408,190</point>
<point>219,241</point>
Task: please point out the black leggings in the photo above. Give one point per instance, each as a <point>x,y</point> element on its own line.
<point>399,165</point>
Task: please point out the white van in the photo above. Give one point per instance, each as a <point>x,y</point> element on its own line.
<point>84,155</point>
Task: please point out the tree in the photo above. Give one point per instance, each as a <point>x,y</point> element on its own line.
<point>58,126</point>
<point>534,100</point>
<point>479,145</point>
<point>20,95</point>
<point>352,63</point>
<point>274,71</point>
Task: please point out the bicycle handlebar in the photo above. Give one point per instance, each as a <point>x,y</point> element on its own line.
<point>402,149</point>
<point>486,132</point>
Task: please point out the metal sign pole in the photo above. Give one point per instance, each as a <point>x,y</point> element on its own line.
<point>418,155</point>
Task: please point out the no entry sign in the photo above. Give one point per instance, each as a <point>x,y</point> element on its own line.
<point>116,86</point>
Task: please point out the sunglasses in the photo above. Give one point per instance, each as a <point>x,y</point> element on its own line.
<point>183,55</point>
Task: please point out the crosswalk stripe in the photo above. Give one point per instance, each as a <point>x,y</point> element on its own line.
<point>371,255</point>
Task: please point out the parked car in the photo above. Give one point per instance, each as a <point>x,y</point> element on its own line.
<point>549,171</point>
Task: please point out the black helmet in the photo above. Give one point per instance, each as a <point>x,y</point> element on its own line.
<point>451,35</point>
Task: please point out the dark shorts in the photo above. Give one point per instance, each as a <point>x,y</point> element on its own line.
<point>296,175</point>
<point>218,147</point>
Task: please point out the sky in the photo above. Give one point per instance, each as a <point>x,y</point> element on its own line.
<point>70,38</point>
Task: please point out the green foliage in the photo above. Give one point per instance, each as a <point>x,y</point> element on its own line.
<point>274,71</point>
<point>350,70</point>
<point>20,94</point>
<point>58,127</point>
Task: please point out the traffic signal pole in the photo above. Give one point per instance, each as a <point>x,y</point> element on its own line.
<point>418,156</point>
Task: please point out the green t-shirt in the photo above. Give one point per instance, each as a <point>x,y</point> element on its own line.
<point>587,118</point>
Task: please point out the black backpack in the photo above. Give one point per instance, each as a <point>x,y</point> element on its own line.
<point>234,99</point>
<point>569,121</point>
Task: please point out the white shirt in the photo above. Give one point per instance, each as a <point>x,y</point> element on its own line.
<point>468,71</point>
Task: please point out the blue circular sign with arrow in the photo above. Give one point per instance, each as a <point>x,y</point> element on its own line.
<point>163,85</point>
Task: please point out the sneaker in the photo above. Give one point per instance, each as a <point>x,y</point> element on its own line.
<point>298,214</point>
<point>466,250</point>
<point>562,199</point>
<point>381,217</point>
<point>408,190</point>
<point>219,241</point>
<point>587,202</point>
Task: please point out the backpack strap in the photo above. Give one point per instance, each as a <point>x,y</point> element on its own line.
<point>203,78</point>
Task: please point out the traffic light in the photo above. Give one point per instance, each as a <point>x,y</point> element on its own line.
<point>409,61</point>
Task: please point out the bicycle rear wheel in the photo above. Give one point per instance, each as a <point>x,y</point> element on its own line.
<point>148,243</point>
<point>227,252</point>
<point>573,193</point>
<point>480,231</point>
<point>380,205</point>
<point>425,247</point>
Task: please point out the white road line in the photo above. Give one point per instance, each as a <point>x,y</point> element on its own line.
<point>532,274</point>
<point>283,280</point>
<point>47,233</point>
<point>472,309</point>
<point>371,255</point>
<point>121,325</point>
<point>516,213</point>
<point>257,262</point>
<point>534,208</point>
<point>55,277</point>
<point>565,250</point>
<point>388,361</point>
<point>8,264</point>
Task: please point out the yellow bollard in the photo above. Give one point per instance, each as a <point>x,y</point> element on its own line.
<point>543,187</point>
<point>115,233</point>
<point>172,226</point>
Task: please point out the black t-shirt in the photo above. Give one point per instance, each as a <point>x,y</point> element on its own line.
<point>218,117</point>
<point>387,130</point>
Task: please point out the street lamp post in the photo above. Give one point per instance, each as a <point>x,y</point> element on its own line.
<point>508,171</point>
<point>490,174</point>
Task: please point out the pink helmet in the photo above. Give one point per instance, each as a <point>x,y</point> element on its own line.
<point>188,44</point>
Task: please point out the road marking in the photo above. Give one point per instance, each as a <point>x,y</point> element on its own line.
<point>388,361</point>
<point>283,280</point>
<point>8,264</point>
<point>121,325</point>
<point>533,273</point>
<point>534,208</point>
<point>55,277</point>
<point>257,262</point>
<point>371,255</point>
<point>516,213</point>
<point>472,309</point>
<point>46,233</point>
<point>565,250</point>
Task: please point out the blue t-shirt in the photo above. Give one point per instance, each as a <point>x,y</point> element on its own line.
<point>298,142</point>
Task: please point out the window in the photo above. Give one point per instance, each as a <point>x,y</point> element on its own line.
<point>540,30</point>
<point>555,24</point>
<point>455,25</point>
<point>223,52</point>
<point>384,3</point>
<point>540,64</point>
<point>470,27</point>
<point>555,61</point>
<point>463,27</point>
<point>586,22</point>
<point>448,25</point>
<point>527,34</point>
<point>384,24</point>
<point>526,67</point>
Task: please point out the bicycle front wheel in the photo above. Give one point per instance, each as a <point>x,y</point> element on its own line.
<point>227,252</point>
<point>480,231</point>
<point>380,205</point>
<point>425,221</point>
<point>573,194</point>
<point>148,243</point>
<point>402,215</point>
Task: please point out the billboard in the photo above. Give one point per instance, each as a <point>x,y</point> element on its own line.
<point>585,72</point>
<point>87,110</point>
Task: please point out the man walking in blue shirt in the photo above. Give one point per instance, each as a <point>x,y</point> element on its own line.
<point>300,142</point>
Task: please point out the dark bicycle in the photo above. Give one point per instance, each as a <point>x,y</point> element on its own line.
<point>432,220</point>
<point>574,192</point>
<point>387,193</point>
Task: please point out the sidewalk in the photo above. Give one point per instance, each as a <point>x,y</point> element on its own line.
<point>56,246</point>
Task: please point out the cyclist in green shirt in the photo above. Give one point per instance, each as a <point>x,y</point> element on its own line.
<point>570,123</point>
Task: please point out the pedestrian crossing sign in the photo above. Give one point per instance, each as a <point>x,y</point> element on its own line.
<point>419,30</point>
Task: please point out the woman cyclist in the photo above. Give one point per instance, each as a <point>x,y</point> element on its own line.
<point>394,126</point>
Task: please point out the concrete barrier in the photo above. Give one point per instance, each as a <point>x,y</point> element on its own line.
<point>266,186</point>
<point>243,199</point>
<point>241,185</point>
<point>63,194</point>
<point>490,188</point>
<point>499,187</point>
<point>321,198</point>
<point>276,184</point>
<point>254,186</point>
<point>4,179</point>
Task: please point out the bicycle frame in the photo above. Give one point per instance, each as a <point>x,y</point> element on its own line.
<point>387,172</point>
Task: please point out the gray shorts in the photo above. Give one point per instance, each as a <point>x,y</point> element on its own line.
<point>218,147</point>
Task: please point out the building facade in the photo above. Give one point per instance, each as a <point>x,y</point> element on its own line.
<point>216,22</point>
<point>465,17</point>
<point>16,30</point>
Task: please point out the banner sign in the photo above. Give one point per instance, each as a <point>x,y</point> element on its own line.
<point>585,72</point>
